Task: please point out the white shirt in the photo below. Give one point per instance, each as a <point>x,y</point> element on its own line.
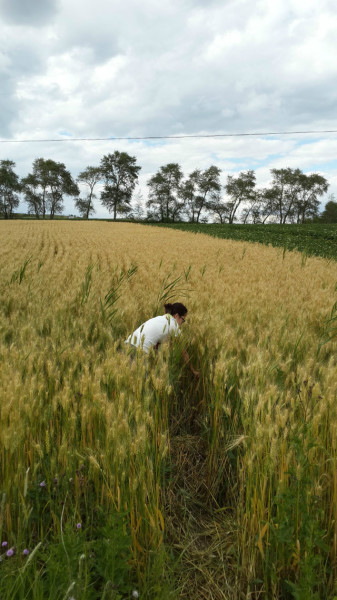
<point>154,331</point>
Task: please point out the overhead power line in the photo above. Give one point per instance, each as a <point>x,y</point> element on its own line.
<point>166,137</point>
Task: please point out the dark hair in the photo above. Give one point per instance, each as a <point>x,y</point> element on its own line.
<point>176,308</point>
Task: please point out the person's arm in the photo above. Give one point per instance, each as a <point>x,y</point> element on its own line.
<point>186,360</point>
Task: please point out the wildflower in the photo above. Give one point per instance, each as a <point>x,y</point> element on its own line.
<point>10,552</point>
<point>25,552</point>
<point>71,480</point>
<point>4,544</point>
<point>43,484</point>
<point>135,594</point>
<point>79,525</point>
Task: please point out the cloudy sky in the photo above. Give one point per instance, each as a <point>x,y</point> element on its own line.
<point>112,68</point>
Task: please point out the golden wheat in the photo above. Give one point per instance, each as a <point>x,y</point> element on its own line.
<point>69,392</point>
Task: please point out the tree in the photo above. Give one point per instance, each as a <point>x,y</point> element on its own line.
<point>262,205</point>
<point>138,209</point>
<point>187,194</point>
<point>294,195</point>
<point>61,184</point>
<point>218,207</point>
<point>164,193</point>
<point>89,177</point>
<point>46,186</point>
<point>35,199</point>
<point>286,189</point>
<point>120,173</point>
<point>9,188</point>
<point>253,211</point>
<point>239,189</point>
<point>329,214</point>
<point>310,188</point>
<point>35,188</point>
<point>268,199</point>
<point>200,190</point>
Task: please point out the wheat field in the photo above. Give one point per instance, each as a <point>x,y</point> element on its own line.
<point>124,478</point>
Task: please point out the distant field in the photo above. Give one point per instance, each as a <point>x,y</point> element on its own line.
<point>314,239</point>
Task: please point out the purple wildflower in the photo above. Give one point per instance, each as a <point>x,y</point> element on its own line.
<point>10,552</point>
<point>4,544</point>
<point>43,484</point>
<point>25,552</point>
<point>79,525</point>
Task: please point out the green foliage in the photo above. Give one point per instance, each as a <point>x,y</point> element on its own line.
<point>164,193</point>
<point>330,330</point>
<point>239,189</point>
<point>108,308</point>
<point>313,239</point>
<point>169,289</point>
<point>86,285</point>
<point>187,272</point>
<point>199,190</point>
<point>20,273</point>
<point>294,195</point>
<point>9,188</point>
<point>45,187</point>
<point>120,173</point>
<point>295,556</point>
<point>89,177</point>
<point>329,214</point>
<point>87,562</point>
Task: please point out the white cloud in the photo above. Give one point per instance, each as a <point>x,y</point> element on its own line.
<point>112,68</point>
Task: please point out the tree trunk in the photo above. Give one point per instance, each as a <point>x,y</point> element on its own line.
<point>44,205</point>
<point>89,205</point>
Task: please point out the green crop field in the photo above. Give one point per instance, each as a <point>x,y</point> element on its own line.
<point>314,239</point>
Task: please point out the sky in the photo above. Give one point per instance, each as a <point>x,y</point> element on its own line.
<point>105,69</point>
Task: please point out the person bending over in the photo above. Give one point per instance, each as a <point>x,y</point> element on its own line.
<point>160,329</point>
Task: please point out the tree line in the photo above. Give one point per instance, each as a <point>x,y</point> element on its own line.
<point>291,197</point>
